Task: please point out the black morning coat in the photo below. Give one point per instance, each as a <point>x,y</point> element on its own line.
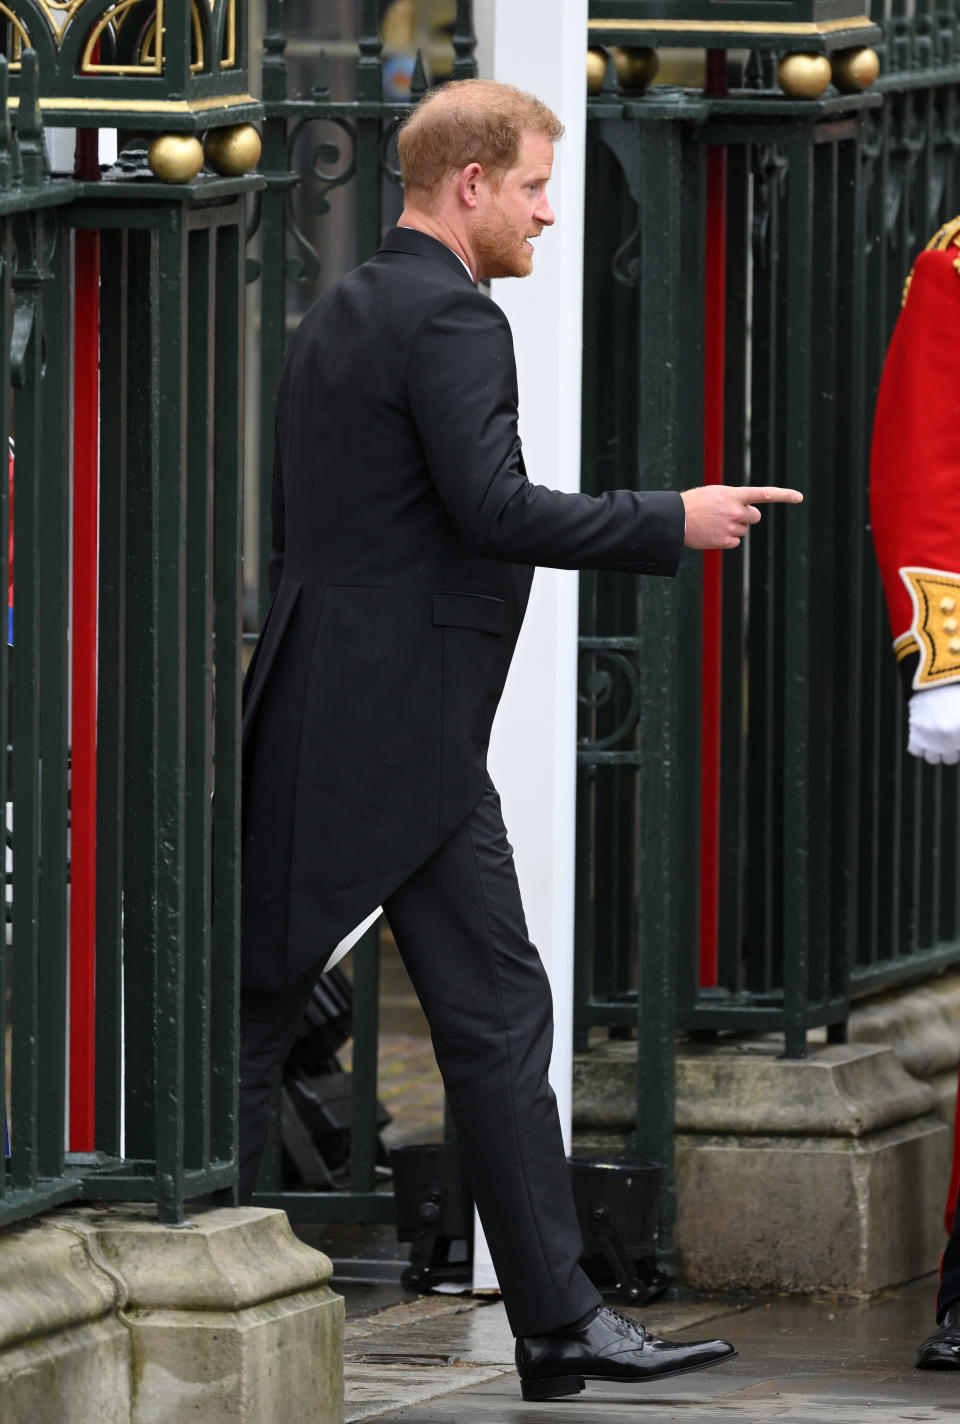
<point>405,537</point>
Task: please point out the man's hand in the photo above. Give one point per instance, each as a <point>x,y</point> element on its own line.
<point>718,516</point>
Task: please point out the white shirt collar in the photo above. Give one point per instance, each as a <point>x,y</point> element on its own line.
<point>461,261</point>
<point>447,246</point>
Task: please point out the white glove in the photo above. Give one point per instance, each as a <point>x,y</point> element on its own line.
<point>935,724</point>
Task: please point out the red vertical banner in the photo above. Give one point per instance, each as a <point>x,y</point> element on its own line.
<point>83,776</point>
<point>715,290</point>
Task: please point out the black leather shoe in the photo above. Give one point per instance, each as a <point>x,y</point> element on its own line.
<point>941,1350</point>
<point>611,1347</point>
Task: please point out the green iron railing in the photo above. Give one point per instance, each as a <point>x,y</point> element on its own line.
<point>33,320</point>
<point>168,664</point>
<point>825,821</point>
<point>838,853</point>
<point>168,851</point>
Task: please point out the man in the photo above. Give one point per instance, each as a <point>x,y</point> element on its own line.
<point>405,535</point>
<point>915,518</point>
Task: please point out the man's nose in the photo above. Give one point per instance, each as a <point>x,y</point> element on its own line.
<point>545,214</point>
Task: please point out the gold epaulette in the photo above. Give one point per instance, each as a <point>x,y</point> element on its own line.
<point>944,237</point>
<point>935,630</point>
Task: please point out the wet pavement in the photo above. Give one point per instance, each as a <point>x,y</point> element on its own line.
<point>449,1360</point>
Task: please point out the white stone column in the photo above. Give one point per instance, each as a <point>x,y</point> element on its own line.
<point>539,45</point>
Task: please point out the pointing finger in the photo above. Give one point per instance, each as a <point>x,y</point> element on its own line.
<point>769,494</point>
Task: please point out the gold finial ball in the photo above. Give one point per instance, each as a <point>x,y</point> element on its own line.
<point>636,68</point>
<point>175,158</point>
<point>232,151</point>
<point>854,69</point>
<point>804,76</point>
<point>596,68</point>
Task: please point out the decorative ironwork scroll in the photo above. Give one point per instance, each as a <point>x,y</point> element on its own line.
<point>151,64</point>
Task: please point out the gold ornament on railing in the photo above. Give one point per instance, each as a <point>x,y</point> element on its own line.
<point>854,69</point>
<point>596,68</point>
<point>636,67</point>
<point>232,151</point>
<point>804,75</point>
<point>175,158</point>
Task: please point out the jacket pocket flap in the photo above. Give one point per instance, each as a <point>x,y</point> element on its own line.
<point>469,610</point>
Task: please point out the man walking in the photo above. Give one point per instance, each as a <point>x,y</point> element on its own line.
<point>405,537</point>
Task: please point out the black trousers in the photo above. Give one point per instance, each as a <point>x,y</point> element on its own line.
<point>460,928</point>
<point>949,1292</point>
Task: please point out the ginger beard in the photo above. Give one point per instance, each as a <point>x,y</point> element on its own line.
<point>499,244</point>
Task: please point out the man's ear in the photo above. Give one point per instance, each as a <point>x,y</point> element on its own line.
<point>468,184</point>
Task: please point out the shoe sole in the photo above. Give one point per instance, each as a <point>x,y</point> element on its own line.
<point>558,1385</point>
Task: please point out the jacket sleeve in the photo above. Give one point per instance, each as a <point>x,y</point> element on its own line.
<point>462,393</point>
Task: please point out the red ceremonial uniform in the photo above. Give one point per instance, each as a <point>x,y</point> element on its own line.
<point>915,472</point>
<point>915,514</point>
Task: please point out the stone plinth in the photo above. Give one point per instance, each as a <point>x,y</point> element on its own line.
<point>110,1316</point>
<point>806,1214</point>
<point>922,1026</point>
<point>826,1173</point>
<point>64,1352</point>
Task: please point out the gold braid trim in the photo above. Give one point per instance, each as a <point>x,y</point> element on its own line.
<point>935,630</point>
<point>944,237</point>
<point>904,646</point>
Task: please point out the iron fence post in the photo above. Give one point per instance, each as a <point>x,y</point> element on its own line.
<point>798,317</point>
<point>663,843</point>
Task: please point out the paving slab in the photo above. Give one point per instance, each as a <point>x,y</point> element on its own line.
<point>437,1361</point>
